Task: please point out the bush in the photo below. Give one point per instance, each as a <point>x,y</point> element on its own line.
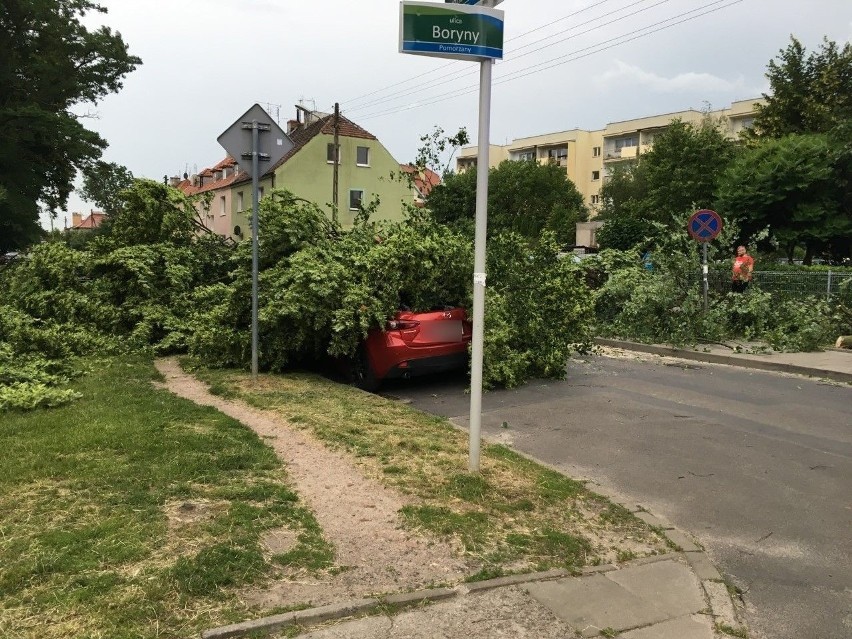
<point>665,304</point>
<point>538,310</point>
<point>322,289</point>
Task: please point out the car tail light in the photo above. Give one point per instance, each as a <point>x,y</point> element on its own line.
<point>402,325</point>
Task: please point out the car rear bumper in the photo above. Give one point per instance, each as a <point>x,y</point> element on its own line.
<point>428,365</point>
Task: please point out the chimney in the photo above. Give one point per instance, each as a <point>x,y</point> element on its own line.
<point>76,219</point>
<point>174,181</point>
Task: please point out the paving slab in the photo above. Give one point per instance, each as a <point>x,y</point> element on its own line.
<point>501,613</point>
<point>702,566</point>
<point>682,541</point>
<point>720,600</point>
<point>692,627</point>
<point>669,586</point>
<point>590,604</point>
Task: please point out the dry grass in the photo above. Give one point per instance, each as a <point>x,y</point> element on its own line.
<point>514,515</point>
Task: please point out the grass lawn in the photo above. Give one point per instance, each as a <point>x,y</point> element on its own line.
<point>514,515</point>
<point>134,513</point>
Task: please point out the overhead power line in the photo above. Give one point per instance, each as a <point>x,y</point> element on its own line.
<point>459,62</point>
<point>570,57</point>
<point>467,71</point>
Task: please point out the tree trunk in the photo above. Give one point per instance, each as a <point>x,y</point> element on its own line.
<point>790,249</point>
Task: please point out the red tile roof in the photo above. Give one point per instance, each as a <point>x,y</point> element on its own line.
<point>188,188</point>
<point>93,221</point>
<point>424,180</point>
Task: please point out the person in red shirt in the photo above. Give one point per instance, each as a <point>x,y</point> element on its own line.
<point>742,270</point>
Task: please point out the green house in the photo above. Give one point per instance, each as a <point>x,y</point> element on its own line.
<point>365,169</point>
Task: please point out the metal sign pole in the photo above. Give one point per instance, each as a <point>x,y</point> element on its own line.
<point>270,149</point>
<point>479,262</point>
<point>255,178</point>
<point>704,271</point>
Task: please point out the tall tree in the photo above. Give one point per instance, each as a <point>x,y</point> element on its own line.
<point>682,169</point>
<point>679,174</point>
<point>50,63</point>
<point>623,191</point>
<point>103,183</point>
<point>525,197</point>
<point>809,93</point>
<point>794,186</point>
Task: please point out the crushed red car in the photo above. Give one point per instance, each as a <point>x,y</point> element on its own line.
<point>411,344</point>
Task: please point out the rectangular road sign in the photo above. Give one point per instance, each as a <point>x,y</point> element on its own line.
<point>492,3</point>
<point>450,30</point>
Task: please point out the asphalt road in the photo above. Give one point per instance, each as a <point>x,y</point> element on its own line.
<point>757,466</point>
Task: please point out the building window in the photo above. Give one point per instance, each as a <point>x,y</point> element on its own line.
<point>625,142</point>
<point>596,175</point>
<point>362,156</point>
<point>240,206</point>
<point>596,199</point>
<point>558,156</point>
<point>259,193</point>
<point>355,198</point>
<point>329,154</point>
<point>526,156</point>
<point>596,151</point>
<point>221,205</point>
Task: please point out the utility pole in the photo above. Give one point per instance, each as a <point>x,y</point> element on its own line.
<point>336,166</point>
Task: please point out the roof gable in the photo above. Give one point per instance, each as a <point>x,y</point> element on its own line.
<point>301,137</point>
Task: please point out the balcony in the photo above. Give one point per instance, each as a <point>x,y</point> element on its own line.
<point>624,153</point>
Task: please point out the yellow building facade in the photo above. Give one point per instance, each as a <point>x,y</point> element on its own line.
<point>588,156</point>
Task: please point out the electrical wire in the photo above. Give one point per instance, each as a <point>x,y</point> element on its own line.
<point>393,97</point>
<point>571,57</point>
<point>459,62</point>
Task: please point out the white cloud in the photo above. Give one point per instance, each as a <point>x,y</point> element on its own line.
<point>627,73</point>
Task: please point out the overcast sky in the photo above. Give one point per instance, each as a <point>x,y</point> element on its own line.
<point>567,64</point>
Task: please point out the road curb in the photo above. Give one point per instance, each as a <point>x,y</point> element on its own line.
<point>354,607</point>
<point>720,603</point>
<point>730,360</point>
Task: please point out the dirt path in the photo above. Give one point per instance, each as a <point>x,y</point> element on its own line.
<point>358,515</point>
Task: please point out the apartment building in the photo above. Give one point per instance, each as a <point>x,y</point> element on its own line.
<point>588,156</point>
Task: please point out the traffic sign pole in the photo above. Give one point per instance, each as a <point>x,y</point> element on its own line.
<point>255,178</point>
<point>703,226</point>
<point>478,337</point>
<point>274,146</point>
<point>467,34</point>
<point>704,273</point>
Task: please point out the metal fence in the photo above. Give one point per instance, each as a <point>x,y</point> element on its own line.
<point>833,285</point>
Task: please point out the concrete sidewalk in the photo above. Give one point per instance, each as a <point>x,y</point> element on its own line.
<point>673,596</point>
<point>833,363</point>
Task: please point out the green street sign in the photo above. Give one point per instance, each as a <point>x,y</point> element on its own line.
<point>450,30</point>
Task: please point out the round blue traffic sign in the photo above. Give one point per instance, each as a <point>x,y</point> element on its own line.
<point>704,225</point>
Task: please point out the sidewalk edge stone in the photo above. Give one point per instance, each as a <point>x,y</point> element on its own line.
<point>714,358</point>
<point>310,616</point>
